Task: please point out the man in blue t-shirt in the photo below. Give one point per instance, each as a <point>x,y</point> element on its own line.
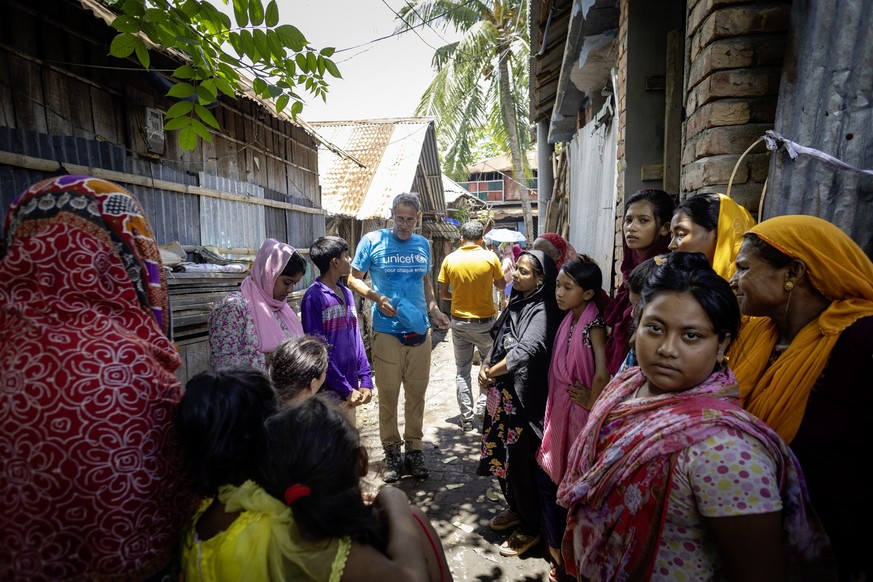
<point>398,261</point>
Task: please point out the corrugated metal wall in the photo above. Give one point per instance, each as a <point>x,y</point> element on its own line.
<point>826,102</point>
<point>593,193</point>
<point>173,216</point>
<point>231,224</point>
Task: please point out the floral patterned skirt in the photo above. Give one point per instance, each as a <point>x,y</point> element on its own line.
<point>504,423</point>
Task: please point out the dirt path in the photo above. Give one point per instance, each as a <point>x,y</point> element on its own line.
<point>454,497</point>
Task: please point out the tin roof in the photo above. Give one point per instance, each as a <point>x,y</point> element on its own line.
<point>398,155</point>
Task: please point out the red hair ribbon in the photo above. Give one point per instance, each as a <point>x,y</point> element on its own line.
<point>295,492</point>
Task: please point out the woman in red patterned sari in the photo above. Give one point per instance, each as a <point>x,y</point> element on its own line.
<point>90,475</point>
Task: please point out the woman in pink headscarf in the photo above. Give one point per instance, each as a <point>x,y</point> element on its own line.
<point>556,247</point>
<point>249,324</point>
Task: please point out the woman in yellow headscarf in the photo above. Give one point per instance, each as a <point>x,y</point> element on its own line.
<point>805,363</point>
<point>712,224</point>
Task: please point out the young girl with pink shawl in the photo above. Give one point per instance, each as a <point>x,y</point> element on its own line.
<point>577,375</point>
<point>249,324</point>
<point>670,478</point>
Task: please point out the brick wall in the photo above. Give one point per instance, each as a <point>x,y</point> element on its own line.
<point>621,99</point>
<point>734,53</point>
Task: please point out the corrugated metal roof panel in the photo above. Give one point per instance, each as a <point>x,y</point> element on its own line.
<point>394,151</point>
<point>453,190</point>
<point>396,171</point>
<point>344,183</point>
<point>442,230</point>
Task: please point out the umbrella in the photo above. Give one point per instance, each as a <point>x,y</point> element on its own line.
<point>500,235</point>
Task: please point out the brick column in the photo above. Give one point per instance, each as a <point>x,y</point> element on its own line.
<point>734,53</point>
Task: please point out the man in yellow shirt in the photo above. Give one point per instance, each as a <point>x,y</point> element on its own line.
<point>465,279</point>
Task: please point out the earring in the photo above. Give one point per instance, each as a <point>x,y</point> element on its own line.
<point>788,286</point>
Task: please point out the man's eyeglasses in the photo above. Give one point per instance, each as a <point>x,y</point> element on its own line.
<point>405,221</point>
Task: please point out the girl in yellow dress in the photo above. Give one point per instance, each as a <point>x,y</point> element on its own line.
<point>244,531</point>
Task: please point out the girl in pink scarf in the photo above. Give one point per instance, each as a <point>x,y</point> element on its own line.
<point>577,375</point>
<point>670,477</point>
<point>251,323</point>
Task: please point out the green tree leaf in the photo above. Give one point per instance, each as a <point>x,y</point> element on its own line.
<point>274,91</point>
<point>332,68</point>
<point>205,115</point>
<point>156,15</point>
<point>282,103</point>
<point>206,92</point>
<point>271,16</point>
<point>122,45</point>
<point>261,42</point>
<point>256,12</point>
<point>277,49</point>
<point>225,87</point>
<point>184,72</point>
<point>179,109</point>
<point>181,90</point>
<point>125,23</point>
<point>201,130</point>
<point>134,8</point>
<point>187,138</point>
<point>142,52</point>
<point>292,37</point>
<point>190,8</point>
<point>210,14</point>
<point>241,12</point>
<point>260,87</point>
<point>220,50</point>
<point>177,123</point>
<point>302,64</point>
<point>248,45</point>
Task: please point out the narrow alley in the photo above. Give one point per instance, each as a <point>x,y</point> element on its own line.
<point>458,502</point>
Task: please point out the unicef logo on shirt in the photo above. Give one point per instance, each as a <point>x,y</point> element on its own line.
<point>420,259</point>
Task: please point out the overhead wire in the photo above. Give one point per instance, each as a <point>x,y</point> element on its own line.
<point>410,29</point>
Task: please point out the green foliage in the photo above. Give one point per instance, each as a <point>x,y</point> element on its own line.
<point>465,95</point>
<point>480,92</point>
<point>222,54</point>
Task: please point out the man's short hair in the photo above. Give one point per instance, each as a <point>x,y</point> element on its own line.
<point>326,249</point>
<point>408,199</point>
<point>472,231</point>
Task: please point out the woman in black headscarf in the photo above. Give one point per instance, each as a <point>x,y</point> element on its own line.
<point>514,373</point>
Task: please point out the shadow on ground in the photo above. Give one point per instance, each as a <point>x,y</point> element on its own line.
<point>454,497</point>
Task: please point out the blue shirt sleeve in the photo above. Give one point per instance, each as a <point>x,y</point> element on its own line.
<point>363,254</point>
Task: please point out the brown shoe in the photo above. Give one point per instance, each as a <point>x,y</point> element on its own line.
<point>518,543</point>
<point>508,519</point>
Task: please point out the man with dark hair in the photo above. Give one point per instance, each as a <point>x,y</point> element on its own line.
<point>328,311</point>
<point>466,279</point>
<point>398,261</point>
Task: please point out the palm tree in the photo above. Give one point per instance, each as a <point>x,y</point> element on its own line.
<point>481,83</point>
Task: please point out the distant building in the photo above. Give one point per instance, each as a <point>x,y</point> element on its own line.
<point>492,181</point>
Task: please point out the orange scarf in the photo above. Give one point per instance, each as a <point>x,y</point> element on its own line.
<point>840,271</point>
<point>733,221</point>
